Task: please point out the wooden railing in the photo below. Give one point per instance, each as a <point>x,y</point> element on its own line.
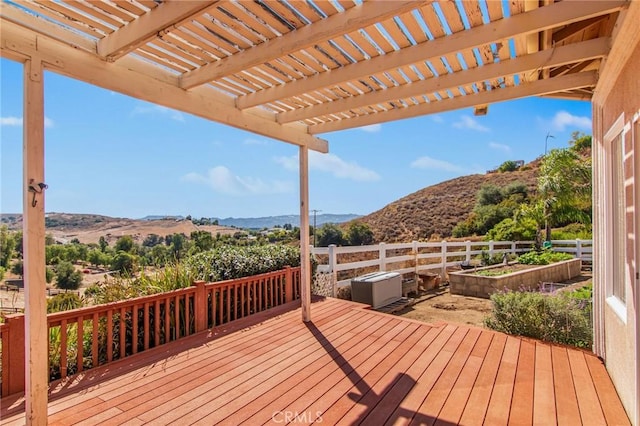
<point>117,330</point>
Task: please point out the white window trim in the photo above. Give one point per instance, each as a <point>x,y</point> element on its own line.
<point>618,306</point>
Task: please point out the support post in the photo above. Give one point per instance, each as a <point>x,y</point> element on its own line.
<point>382,255</point>
<point>13,356</point>
<point>201,306</point>
<point>579,248</point>
<point>467,251</point>
<point>33,231</point>
<point>305,262</point>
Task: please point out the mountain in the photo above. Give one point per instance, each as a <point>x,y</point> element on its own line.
<point>432,212</point>
<point>294,220</point>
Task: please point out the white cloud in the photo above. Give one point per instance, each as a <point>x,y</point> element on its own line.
<point>17,121</point>
<point>563,119</point>
<point>222,180</point>
<point>467,122</point>
<point>331,163</point>
<point>437,118</point>
<point>373,128</point>
<point>426,162</point>
<point>499,147</point>
<point>158,110</point>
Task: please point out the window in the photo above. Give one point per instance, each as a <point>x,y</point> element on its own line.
<point>618,219</point>
<point>615,217</point>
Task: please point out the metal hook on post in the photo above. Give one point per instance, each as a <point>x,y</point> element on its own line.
<point>36,189</point>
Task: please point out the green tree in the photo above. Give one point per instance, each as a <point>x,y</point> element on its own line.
<point>49,275</point>
<point>2,272</point>
<point>125,243</point>
<point>328,234</point>
<point>7,246</point>
<point>124,262</point>
<point>359,234</point>
<point>67,277</point>
<point>102,242</point>
<point>202,240</point>
<point>564,186</point>
<point>152,240</point>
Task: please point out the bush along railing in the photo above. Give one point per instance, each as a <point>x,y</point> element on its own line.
<point>85,338</point>
<point>416,257</point>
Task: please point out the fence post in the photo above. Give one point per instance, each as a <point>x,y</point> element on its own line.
<point>13,356</point>
<point>414,248</point>
<point>444,260</point>
<point>491,248</point>
<point>333,258</point>
<point>579,248</point>
<point>200,306</point>
<point>383,256</point>
<point>288,284</point>
<point>513,247</point>
<point>467,253</point>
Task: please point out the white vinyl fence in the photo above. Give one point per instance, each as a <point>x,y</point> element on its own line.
<point>345,263</point>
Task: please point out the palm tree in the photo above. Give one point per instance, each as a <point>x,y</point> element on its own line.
<point>564,188</point>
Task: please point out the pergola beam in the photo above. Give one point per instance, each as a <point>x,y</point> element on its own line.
<point>558,14</point>
<point>353,19</point>
<point>122,77</point>
<point>558,56</point>
<point>537,88</point>
<point>146,27</point>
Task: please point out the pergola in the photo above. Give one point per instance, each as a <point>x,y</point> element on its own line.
<point>289,70</point>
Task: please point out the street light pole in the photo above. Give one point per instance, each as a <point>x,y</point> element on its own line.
<point>549,135</point>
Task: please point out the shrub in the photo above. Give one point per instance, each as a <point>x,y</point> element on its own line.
<point>553,318</point>
<point>63,302</point>
<point>543,257</point>
<point>511,230</point>
<point>572,231</point>
<point>508,166</point>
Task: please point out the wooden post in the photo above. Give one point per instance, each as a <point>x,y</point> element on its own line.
<point>491,250</point>
<point>288,284</point>
<point>383,257</point>
<point>444,260</point>
<point>579,248</point>
<point>13,356</point>
<point>333,263</point>
<point>201,306</point>
<point>513,247</point>
<point>467,256</point>
<point>414,249</point>
<point>33,231</point>
<point>305,263</point>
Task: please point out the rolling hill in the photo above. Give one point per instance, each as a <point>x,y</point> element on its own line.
<point>432,212</point>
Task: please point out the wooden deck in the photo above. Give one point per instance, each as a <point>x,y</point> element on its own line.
<point>349,366</point>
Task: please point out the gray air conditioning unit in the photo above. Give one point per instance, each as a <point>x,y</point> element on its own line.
<point>377,289</point>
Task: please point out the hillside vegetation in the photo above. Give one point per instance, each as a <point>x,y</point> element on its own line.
<point>435,210</point>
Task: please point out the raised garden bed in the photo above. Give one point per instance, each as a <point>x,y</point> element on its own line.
<point>517,276</point>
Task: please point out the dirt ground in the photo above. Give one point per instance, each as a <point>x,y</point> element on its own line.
<point>442,306</point>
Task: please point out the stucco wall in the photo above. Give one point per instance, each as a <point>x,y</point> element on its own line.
<point>620,337</point>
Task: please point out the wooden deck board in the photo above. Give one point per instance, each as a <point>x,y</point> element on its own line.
<point>349,365</point>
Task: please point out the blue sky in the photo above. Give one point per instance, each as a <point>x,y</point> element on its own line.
<point>114,155</point>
